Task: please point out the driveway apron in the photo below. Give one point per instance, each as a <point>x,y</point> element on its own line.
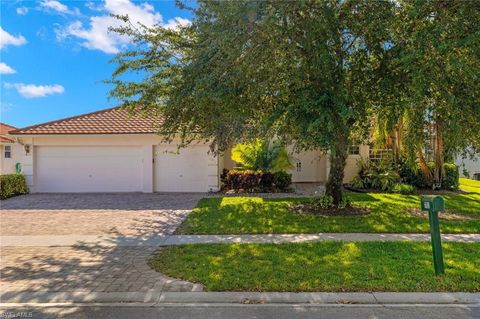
<point>86,267</point>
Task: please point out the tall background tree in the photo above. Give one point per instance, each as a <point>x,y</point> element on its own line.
<point>300,71</point>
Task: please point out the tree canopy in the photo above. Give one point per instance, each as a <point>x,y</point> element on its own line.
<point>313,74</point>
<point>299,71</point>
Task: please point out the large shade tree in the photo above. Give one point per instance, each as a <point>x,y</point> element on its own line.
<point>303,72</point>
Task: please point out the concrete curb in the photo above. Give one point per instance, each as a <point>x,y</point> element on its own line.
<point>158,298</point>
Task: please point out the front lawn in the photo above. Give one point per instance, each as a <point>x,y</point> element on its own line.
<point>469,185</point>
<point>389,214</point>
<point>322,266</point>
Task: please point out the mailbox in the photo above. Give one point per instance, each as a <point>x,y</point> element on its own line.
<point>433,203</point>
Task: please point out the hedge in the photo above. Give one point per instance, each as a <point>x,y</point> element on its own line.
<point>12,185</point>
<point>415,176</point>
<point>255,181</point>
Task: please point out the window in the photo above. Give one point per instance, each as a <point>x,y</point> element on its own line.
<point>354,149</point>
<point>376,155</point>
<point>8,151</point>
<point>299,166</point>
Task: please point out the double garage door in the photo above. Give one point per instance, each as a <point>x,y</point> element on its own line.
<point>122,169</point>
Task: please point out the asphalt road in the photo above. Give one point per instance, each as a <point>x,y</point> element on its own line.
<point>245,312</point>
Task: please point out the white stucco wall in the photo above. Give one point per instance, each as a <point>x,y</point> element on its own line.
<point>351,167</point>
<point>308,166</point>
<point>7,165</point>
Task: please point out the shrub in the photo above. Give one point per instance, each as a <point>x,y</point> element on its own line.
<point>322,201</point>
<point>254,181</point>
<point>326,202</point>
<point>452,177</point>
<point>385,175</point>
<point>236,179</point>
<point>282,180</point>
<point>385,180</point>
<point>404,189</point>
<point>261,155</point>
<point>377,175</point>
<point>358,182</point>
<point>12,185</point>
<point>413,175</point>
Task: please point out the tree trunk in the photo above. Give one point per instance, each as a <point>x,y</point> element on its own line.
<point>338,157</point>
<point>439,171</point>
<point>399,138</point>
<point>427,174</point>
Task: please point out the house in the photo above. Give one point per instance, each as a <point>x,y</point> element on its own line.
<point>469,166</point>
<point>11,151</point>
<point>113,151</point>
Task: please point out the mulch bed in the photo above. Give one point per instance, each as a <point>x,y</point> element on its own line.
<point>447,215</point>
<point>309,209</point>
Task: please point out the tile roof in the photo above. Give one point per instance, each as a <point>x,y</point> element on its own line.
<point>4,139</point>
<point>110,121</point>
<point>5,128</point>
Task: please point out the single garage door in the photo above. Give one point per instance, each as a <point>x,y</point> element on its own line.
<point>88,169</point>
<point>191,169</point>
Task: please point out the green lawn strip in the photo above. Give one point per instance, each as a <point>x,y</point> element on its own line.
<point>469,185</point>
<point>253,215</point>
<point>322,266</point>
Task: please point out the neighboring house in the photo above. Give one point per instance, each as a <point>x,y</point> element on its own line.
<point>11,151</point>
<point>113,151</point>
<point>469,167</point>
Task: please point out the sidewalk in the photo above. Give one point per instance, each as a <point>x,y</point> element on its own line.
<point>170,240</point>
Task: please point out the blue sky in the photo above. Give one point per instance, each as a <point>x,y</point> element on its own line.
<point>55,54</point>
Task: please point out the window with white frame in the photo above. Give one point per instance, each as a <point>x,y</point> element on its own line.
<point>7,151</point>
<point>379,154</point>
<point>354,149</point>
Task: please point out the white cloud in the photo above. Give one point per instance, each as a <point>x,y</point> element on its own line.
<point>8,39</point>
<point>59,7</point>
<point>93,6</point>
<point>22,10</point>
<point>6,69</point>
<point>32,90</point>
<point>96,35</point>
<point>54,5</point>
<point>177,22</point>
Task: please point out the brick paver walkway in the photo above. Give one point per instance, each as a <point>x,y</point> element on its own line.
<point>88,268</point>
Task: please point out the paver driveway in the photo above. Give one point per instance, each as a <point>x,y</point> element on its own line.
<point>85,267</point>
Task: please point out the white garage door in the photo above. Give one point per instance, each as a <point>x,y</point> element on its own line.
<point>88,169</point>
<point>190,170</point>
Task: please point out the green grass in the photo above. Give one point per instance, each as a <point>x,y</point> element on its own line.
<point>323,266</point>
<point>253,215</point>
<point>469,185</point>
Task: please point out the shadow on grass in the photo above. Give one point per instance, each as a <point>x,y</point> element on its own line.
<point>254,215</point>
